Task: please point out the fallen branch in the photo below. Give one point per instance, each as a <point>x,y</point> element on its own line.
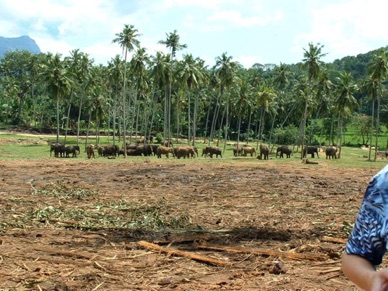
<point>307,161</point>
<point>289,255</point>
<point>334,239</point>
<point>192,256</point>
<point>71,222</point>
<point>338,269</point>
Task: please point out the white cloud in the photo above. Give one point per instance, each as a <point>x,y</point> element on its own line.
<point>347,28</point>
<point>248,61</point>
<point>236,18</point>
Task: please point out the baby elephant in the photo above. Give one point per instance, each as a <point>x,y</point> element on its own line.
<point>331,153</point>
<point>90,151</point>
<point>72,150</point>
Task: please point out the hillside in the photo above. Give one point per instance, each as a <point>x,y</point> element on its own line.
<point>18,43</point>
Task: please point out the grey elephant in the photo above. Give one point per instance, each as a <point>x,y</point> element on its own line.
<point>108,150</point>
<point>248,150</point>
<point>90,151</point>
<point>331,153</point>
<point>73,150</point>
<point>237,150</point>
<point>145,149</point>
<point>311,150</point>
<point>58,149</point>
<point>184,152</point>
<point>210,151</point>
<point>283,150</point>
<point>264,153</point>
<point>163,150</point>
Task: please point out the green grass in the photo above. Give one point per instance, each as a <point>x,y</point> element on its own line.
<point>16,146</point>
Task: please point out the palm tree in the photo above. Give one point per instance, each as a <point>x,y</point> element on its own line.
<point>173,43</point>
<point>370,86</point>
<point>345,102</point>
<point>225,70</point>
<point>265,96</point>
<point>190,73</point>
<point>312,62</point>
<point>55,75</point>
<point>378,70</point>
<point>160,71</point>
<point>127,39</point>
<point>244,92</point>
<point>140,74</point>
<point>115,76</point>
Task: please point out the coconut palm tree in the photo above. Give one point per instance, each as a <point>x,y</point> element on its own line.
<point>56,77</point>
<point>265,97</point>
<point>378,70</point>
<point>225,70</point>
<point>370,86</point>
<point>127,39</point>
<point>345,102</point>
<point>190,73</point>
<point>312,63</point>
<point>160,71</point>
<point>140,74</point>
<point>173,43</point>
<point>115,76</point>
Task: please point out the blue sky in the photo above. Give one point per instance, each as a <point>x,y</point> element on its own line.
<point>250,31</point>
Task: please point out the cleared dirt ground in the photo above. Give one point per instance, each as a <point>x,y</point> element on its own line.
<point>178,225</point>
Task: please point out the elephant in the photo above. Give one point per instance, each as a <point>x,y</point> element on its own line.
<point>90,151</point>
<point>284,150</point>
<point>264,153</point>
<point>163,150</point>
<point>248,150</point>
<point>184,151</point>
<point>72,150</point>
<point>167,143</point>
<point>134,152</point>
<point>237,150</point>
<point>144,149</point>
<point>131,146</point>
<point>208,150</point>
<point>331,153</point>
<point>154,148</point>
<point>108,150</point>
<point>311,150</point>
<point>195,150</point>
<point>59,149</point>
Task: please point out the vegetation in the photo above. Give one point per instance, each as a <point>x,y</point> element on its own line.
<point>302,104</point>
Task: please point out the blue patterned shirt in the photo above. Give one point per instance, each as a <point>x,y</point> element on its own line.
<point>369,235</point>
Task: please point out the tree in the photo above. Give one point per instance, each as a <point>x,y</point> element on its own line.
<point>127,39</point>
<point>378,70</point>
<point>225,70</point>
<point>312,63</point>
<point>265,96</point>
<point>190,73</point>
<point>173,43</point>
<point>345,102</point>
<point>58,83</point>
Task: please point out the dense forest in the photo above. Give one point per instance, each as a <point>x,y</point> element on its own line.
<point>165,96</point>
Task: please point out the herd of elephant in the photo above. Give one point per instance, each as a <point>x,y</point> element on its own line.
<point>166,149</point>
<point>281,151</point>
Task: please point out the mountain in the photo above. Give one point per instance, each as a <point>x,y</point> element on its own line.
<point>18,43</point>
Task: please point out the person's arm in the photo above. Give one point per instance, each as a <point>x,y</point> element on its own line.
<point>362,273</point>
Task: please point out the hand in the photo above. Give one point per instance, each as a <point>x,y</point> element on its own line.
<point>379,281</point>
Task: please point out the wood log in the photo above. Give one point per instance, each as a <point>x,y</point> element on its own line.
<point>266,252</point>
<point>334,239</point>
<point>176,252</point>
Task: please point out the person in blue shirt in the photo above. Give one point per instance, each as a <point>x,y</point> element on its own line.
<point>368,241</point>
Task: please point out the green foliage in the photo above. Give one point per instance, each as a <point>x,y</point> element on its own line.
<point>61,191</point>
<point>287,135</point>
